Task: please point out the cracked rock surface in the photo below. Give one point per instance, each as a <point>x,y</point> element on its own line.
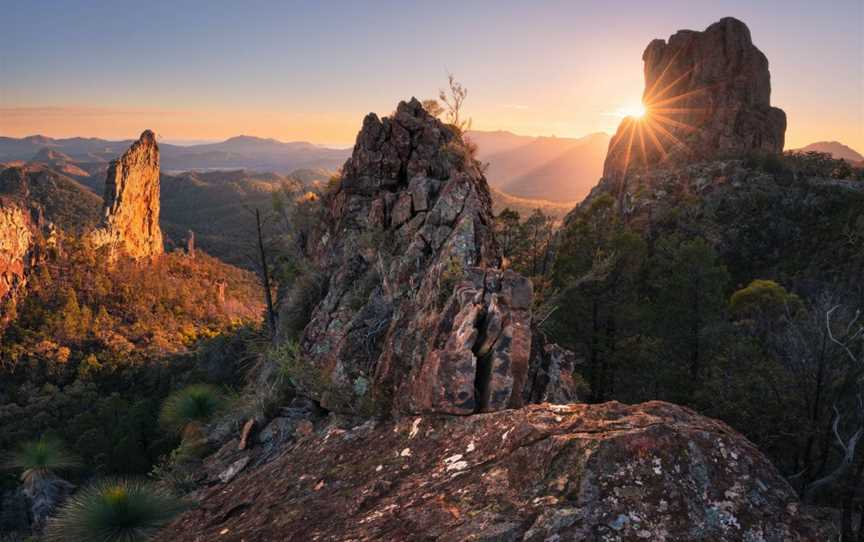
<point>418,317</point>
<point>607,472</point>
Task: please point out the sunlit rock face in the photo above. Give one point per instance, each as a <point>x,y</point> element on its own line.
<point>131,213</point>
<point>608,472</point>
<point>16,238</point>
<point>418,316</point>
<point>707,95</point>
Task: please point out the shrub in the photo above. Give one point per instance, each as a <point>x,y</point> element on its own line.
<point>190,407</point>
<point>40,459</point>
<point>114,510</point>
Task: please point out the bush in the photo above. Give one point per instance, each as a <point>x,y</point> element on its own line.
<point>40,459</point>
<point>114,510</point>
<point>190,407</point>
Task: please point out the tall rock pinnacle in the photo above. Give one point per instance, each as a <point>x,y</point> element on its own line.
<point>707,95</point>
<point>131,209</point>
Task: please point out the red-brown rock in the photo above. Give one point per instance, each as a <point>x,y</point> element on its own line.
<point>606,472</point>
<point>418,317</point>
<point>707,95</point>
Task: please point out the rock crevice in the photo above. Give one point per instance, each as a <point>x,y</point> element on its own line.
<point>418,315</point>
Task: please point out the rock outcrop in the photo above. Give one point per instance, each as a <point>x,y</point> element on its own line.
<point>707,95</point>
<point>34,205</point>
<point>418,316</point>
<point>130,224</point>
<point>16,239</point>
<point>606,472</point>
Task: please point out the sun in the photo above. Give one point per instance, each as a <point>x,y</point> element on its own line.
<point>636,111</point>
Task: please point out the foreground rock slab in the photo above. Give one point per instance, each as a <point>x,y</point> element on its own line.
<point>612,472</point>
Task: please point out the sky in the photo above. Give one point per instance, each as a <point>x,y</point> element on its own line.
<point>310,70</point>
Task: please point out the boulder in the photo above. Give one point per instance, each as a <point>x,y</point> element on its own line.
<point>130,224</point>
<point>607,472</point>
<point>707,95</point>
<point>418,316</point>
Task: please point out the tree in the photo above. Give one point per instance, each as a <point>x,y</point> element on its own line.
<point>538,232</point>
<point>39,461</point>
<point>688,282</point>
<point>508,232</point>
<point>453,99</point>
<point>433,107</point>
<point>264,269</point>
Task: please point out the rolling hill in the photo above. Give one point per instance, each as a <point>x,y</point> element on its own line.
<point>836,149</point>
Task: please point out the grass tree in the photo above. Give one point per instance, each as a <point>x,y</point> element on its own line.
<point>186,410</point>
<point>39,462</point>
<point>41,459</point>
<point>114,510</point>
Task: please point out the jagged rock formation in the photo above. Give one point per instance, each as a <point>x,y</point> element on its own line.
<point>417,316</point>
<point>654,471</point>
<point>16,238</point>
<point>131,210</point>
<point>707,95</point>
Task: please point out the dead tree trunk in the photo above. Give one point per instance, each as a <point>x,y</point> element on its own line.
<point>265,276</point>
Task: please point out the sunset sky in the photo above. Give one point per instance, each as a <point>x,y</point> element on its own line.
<point>311,70</point>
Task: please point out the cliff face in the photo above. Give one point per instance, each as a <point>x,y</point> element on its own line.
<point>418,315</point>
<point>131,203</point>
<point>707,95</point>
<point>16,237</point>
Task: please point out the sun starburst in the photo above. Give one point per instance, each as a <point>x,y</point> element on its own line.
<point>656,125</point>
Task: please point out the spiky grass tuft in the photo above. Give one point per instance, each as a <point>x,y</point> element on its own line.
<point>40,459</point>
<point>190,407</point>
<point>114,510</point>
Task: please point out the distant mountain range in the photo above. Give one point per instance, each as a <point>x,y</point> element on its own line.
<point>560,170</point>
<point>242,152</point>
<point>836,149</point>
<point>555,169</point>
<point>552,168</point>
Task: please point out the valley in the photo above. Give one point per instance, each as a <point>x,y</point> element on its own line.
<point>442,333</point>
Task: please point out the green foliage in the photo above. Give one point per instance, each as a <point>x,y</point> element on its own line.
<point>817,164</point>
<point>525,244</point>
<point>194,405</point>
<point>95,348</point>
<point>114,510</point>
<point>763,297</point>
<point>40,459</point>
